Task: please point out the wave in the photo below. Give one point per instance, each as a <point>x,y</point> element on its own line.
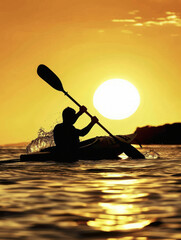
<point>44,140</point>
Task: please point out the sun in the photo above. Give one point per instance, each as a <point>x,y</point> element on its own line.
<point>116,99</point>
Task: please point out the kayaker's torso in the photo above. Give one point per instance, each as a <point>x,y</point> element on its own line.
<point>66,137</point>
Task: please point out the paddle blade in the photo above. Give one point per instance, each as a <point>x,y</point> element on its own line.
<point>50,77</point>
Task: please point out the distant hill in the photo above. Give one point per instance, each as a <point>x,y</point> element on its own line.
<point>165,134</point>
<point>22,144</point>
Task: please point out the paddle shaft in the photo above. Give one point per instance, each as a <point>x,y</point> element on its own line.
<point>66,93</point>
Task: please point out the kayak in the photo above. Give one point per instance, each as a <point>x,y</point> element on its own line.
<point>103,147</point>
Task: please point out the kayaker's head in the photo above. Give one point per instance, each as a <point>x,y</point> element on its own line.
<point>69,115</point>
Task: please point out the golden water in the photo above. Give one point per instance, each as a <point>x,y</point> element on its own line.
<point>100,200</point>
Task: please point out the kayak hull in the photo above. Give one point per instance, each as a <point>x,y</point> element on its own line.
<point>104,147</point>
<point>93,149</point>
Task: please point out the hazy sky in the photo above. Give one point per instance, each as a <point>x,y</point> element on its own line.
<point>86,43</point>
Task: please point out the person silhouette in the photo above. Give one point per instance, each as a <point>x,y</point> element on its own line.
<point>66,136</point>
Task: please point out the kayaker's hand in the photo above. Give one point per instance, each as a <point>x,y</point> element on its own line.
<point>82,109</point>
<point>94,120</point>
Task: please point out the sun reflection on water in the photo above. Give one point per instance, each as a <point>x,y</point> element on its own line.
<point>124,217</point>
<point>120,207</point>
<point>129,238</point>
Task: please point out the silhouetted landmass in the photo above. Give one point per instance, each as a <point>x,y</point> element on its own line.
<point>165,134</point>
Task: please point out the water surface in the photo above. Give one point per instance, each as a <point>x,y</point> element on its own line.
<point>102,200</point>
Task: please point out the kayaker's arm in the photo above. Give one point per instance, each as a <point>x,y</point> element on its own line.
<point>82,110</point>
<point>85,130</point>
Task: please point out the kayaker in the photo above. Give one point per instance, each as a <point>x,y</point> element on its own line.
<point>66,136</point>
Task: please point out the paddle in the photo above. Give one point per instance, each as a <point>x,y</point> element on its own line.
<point>51,78</point>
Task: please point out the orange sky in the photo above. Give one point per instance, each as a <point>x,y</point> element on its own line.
<point>87,43</point>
